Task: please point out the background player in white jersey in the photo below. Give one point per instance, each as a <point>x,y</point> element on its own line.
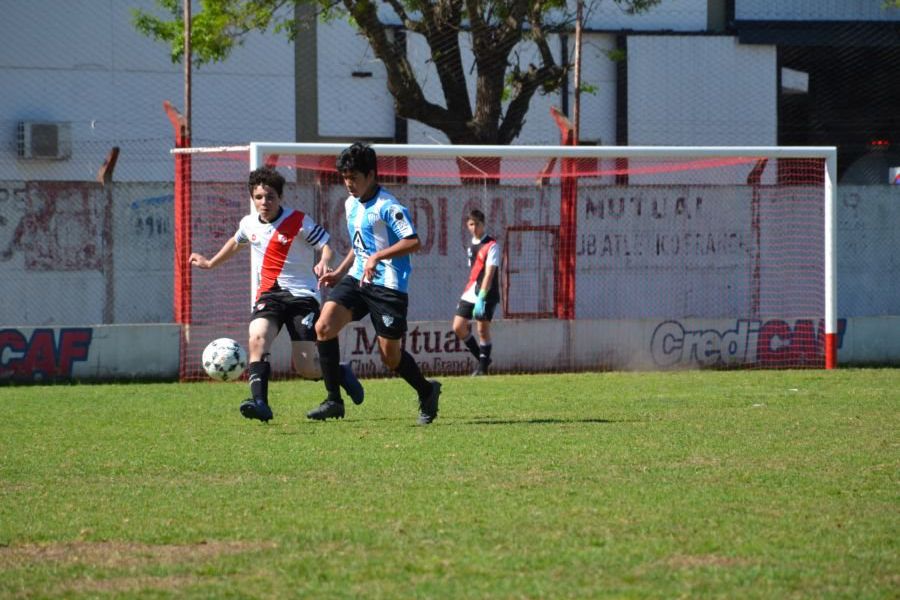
<point>285,275</point>
<point>481,294</point>
<point>372,279</point>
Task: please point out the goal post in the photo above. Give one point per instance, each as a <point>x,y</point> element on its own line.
<point>661,257</point>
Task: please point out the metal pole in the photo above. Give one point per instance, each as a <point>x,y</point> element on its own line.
<point>187,69</point>
<point>831,320</point>
<point>576,106</point>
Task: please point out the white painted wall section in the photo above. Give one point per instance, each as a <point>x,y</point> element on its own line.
<point>814,10</point>
<point>696,91</point>
<point>354,107</point>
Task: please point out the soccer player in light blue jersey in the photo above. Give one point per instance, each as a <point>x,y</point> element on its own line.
<point>371,280</point>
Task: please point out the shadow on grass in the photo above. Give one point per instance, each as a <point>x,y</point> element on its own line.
<point>543,421</point>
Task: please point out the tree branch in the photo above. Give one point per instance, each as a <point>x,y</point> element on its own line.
<point>409,100</point>
<point>547,77</point>
<point>443,19</point>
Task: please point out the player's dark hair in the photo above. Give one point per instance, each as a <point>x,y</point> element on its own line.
<point>358,157</point>
<point>476,215</point>
<point>266,176</point>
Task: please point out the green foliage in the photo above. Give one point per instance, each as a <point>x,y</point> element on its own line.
<point>694,484</point>
<point>616,54</point>
<point>216,28</point>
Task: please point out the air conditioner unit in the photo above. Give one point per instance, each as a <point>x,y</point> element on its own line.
<point>44,140</point>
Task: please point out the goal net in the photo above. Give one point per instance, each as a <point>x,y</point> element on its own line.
<point>613,257</point>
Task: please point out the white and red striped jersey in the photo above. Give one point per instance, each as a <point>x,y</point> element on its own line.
<point>282,252</point>
<point>482,253</point>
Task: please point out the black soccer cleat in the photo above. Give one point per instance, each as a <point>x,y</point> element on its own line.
<point>329,409</point>
<point>482,367</point>
<point>256,409</point>
<point>428,407</point>
<point>351,384</point>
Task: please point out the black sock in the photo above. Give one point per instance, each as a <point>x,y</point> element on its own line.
<point>330,361</point>
<point>259,380</point>
<point>409,371</point>
<point>486,350</point>
<point>472,345</point>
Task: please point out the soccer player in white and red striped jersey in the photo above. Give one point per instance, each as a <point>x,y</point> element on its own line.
<point>481,294</point>
<point>283,242</point>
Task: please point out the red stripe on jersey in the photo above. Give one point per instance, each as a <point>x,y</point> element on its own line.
<point>478,265</point>
<point>277,251</point>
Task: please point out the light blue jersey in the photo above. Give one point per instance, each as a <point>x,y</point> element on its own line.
<point>377,224</point>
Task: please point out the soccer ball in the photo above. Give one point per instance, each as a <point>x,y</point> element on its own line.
<point>224,359</point>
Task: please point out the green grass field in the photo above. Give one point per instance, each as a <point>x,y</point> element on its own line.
<point>772,484</point>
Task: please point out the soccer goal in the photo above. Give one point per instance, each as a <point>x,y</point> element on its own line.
<point>613,257</point>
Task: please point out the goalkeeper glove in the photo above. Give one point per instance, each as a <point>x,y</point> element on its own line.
<point>478,311</point>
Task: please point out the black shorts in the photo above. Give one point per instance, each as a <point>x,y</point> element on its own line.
<point>464,309</point>
<point>386,307</point>
<point>297,313</point>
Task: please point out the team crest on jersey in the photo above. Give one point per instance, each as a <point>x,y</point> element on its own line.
<point>283,239</point>
<point>358,243</point>
<point>388,320</point>
<point>253,238</point>
<point>373,218</point>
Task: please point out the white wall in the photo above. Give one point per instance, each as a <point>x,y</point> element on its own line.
<point>598,108</point>
<point>701,91</point>
<point>56,267</point>
<point>868,260</point>
<point>352,107</point>
<point>814,10</point>
<point>672,15</point>
<point>122,352</point>
<point>52,248</point>
<point>81,61</point>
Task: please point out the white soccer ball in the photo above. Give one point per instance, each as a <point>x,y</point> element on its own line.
<point>224,359</point>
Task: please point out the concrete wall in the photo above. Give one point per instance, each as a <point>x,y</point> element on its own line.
<point>706,91</point>
<point>58,268</point>
<point>123,352</point>
<point>72,253</point>
<point>814,10</point>
<point>102,352</point>
<point>82,62</point>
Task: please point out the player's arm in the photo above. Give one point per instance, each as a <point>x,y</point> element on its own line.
<point>397,218</point>
<point>399,248</point>
<point>478,310</point>
<point>318,238</point>
<point>489,271</point>
<point>322,267</point>
<point>330,278</point>
<point>229,249</point>
<point>490,267</point>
